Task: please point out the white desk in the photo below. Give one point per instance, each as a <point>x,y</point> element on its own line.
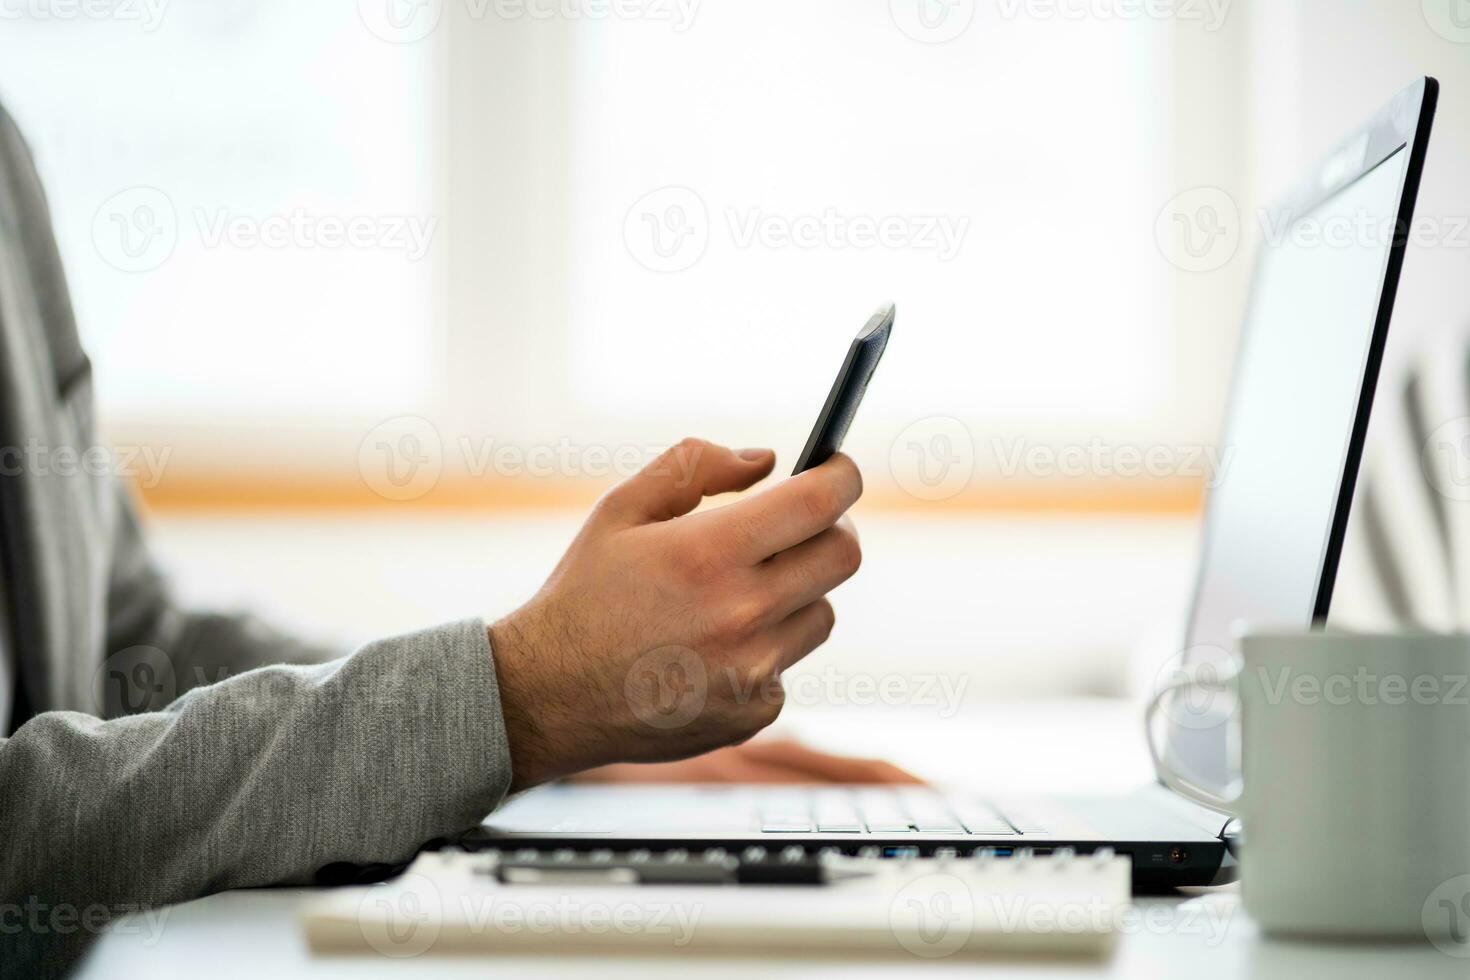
<point>256,933</point>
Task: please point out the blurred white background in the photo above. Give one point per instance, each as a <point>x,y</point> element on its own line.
<point>527,236</point>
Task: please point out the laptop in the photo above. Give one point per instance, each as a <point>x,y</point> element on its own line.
<point>1321,298</point>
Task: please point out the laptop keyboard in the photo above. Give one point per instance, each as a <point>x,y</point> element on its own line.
<point>883,810</point>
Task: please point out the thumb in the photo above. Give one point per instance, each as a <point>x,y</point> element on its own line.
<point>675,482</point>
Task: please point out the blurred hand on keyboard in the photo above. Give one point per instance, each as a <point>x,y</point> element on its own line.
<point>776,760</point>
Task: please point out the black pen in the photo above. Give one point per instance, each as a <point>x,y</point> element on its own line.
<point>715,867</point>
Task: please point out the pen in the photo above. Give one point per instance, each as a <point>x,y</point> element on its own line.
<point>715,867</point>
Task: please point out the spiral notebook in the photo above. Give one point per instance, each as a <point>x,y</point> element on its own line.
<point>459,902</point>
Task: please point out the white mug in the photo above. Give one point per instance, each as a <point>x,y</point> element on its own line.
<point>1354,790</point>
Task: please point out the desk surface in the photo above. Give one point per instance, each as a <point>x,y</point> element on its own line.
<point>257,934</point>
<point>1086,746</point>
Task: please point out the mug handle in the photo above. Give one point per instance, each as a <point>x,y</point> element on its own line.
<point>1170,776</point>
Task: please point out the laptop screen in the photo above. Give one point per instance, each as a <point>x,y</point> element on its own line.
<point>1298,381</point>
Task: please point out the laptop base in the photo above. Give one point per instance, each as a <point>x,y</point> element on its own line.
<point>1172,843</point>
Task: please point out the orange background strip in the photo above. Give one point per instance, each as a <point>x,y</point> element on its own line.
<point>255,493</point>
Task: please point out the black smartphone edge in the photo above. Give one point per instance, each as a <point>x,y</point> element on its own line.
<point>848,390</point>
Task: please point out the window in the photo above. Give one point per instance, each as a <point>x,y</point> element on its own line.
<point>663,219</point>
<point>745,191</point>
<point>245,209</point>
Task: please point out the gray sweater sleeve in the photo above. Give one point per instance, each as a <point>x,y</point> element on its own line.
<point>259,779</point>
<point>252,775</point>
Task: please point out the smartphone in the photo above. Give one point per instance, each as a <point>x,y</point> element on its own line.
<point>848,390</point>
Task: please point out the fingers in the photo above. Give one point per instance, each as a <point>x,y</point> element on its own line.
<point>822,767</point>
<point>762,761</point>
<point>712,767</point>
<point>742,770</point>
<point>805,573</point>
<point>727,765</point>
<point>673,484</point>
<point>802,632</point>
<point>788,513</point>
<point>735,765</point>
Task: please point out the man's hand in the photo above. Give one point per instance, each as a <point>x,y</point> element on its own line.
<point>662,633</point>
<point>775,760</point>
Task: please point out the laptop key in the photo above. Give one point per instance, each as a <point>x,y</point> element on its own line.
<point>1026,825</point>
<point>983,820</point>
<point>839,828</point>
<point>889,828</point>
<point>786,828</point>
<point>938,828</point>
